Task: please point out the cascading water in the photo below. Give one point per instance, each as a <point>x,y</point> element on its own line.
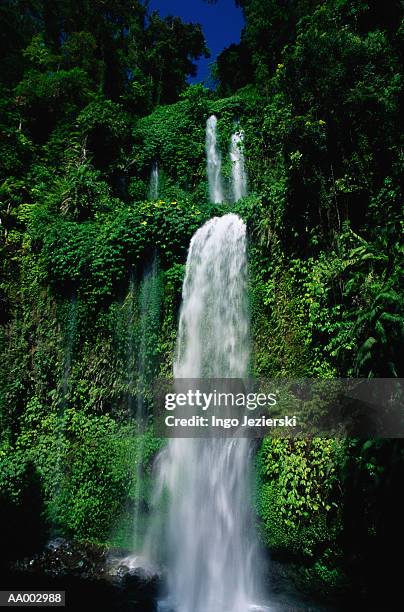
<point>239,174</point>
<point>154,182</point>
<point>149,318</point>
<point>213,162</point>
<point>141,319</point>
<point>211,556</point>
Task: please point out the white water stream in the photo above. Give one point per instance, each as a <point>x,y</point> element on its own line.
<point>239,174</point>
<point>208,532</point>
<point>154,182</point>
<point>213,162</point>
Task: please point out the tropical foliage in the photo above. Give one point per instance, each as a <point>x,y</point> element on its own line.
<point>92,94</point>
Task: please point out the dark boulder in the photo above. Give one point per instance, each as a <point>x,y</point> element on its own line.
<point>90,575</point>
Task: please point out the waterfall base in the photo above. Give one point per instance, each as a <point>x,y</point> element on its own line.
<point>166,606</point>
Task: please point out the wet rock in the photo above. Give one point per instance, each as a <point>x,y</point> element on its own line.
<point>63,558</point>
<point>89,573</point>
<point>135,576</point>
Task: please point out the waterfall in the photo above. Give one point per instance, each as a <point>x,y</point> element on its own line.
<point>154,182</point>
<point>149,319</point>
<point>211,556</point>
<point>213,161</point>
<point>214,321</point>
<point>239,174</point>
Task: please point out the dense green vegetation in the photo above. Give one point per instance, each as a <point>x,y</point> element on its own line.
<point>91,95</point>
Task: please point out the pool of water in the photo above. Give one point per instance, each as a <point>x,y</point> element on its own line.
<point>278,604</point>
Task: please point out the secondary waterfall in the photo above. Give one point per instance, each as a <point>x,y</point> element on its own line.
<point>154,182</point>
<point>239,174</point>
<point>149,321</point>
<point>213,162</point>
<point>211,555</point>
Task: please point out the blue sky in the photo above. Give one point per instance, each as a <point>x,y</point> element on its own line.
<point>221,24</point>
